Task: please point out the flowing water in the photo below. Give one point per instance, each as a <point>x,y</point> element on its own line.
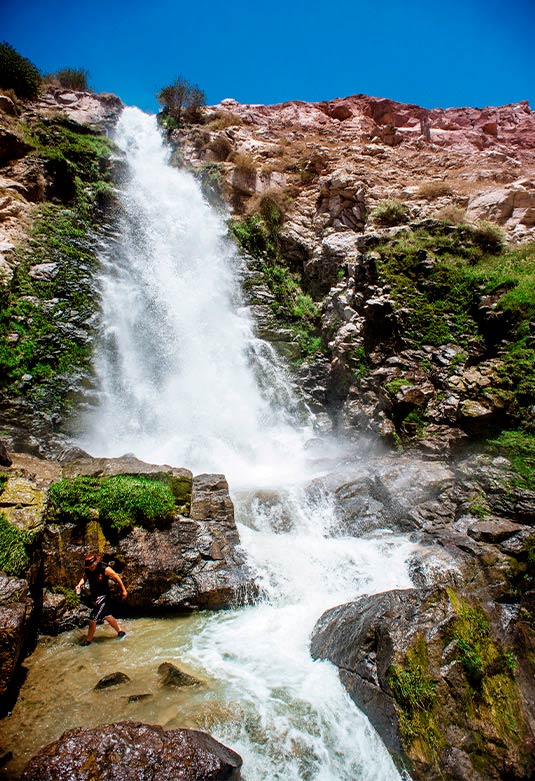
<point>183,380</point>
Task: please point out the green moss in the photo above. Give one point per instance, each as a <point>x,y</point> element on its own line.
<point>416,697</point>
<point>492,693</point>
<point>14,545</point>
<point>396,384</point>
<point>120,502</point>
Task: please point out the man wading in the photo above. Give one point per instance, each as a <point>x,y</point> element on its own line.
<point>97,574</point>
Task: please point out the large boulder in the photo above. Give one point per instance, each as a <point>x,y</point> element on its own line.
<point>130,751</point>
<point>427,669</point>
<point>191,562</point>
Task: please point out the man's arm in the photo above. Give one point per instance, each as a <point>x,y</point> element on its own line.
<point>79,585</point>
<point>117,578</point>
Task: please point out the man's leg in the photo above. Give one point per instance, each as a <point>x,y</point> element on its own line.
<point>114,624</point>
<point>90,632</point>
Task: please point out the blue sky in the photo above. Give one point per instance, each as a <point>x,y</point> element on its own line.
<point>459,53</point>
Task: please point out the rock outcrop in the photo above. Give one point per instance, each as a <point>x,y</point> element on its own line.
<point>16,611</point>
<point>131,751</point>
<point>444,671</point>
<point>438,687</point>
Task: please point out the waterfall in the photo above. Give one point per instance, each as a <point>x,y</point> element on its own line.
<point>174,366</point>
<point>182,379</point>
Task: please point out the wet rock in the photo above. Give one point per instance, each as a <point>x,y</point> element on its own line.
<point>188,564</point>
<point>23,501</point>
<point>170,675</point>
<point>113,679</point>
<point>494,530</point>
<point>132,751</point>
<point>210,499</point>
<point>139,697</point>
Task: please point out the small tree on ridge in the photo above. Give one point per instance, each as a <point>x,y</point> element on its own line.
<point>182,102</point>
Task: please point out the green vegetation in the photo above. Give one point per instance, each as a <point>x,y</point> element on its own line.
<point>390,212</point>
<point>181,102</point>
<point>396,384</point>
<point>44,331</point>
<point>18,73</point>
<point>438,275</point>
<point>119,503</point>
<point>72,599</point>
<point>258,236</point>
<point>14,545</point>
<point>416,697</point>
<point>492,694</point>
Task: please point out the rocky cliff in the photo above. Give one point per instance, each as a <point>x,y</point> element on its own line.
<point>390,256</point>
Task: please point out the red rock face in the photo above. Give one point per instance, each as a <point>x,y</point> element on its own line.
<point>382,149</point>
<point>512,125</point>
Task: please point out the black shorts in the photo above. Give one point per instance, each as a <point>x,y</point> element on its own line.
<point>100,608</point>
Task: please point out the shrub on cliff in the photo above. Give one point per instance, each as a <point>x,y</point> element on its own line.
<point>390,212</point>
<point>73,78</point>
<point>181,102</point>
<point>18,73</point>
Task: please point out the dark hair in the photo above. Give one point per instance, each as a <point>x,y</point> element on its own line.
<point>91,559</point>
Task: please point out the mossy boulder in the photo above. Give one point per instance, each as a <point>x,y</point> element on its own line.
<point>436,682</point>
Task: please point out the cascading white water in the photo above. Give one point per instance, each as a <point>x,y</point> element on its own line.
<point>183,380</point>
<point>175,364</point>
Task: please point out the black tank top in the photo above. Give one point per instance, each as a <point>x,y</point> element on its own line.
<point>98,581</point>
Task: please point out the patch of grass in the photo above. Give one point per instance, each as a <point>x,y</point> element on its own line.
<point>252,236</point>
<point>244,163</point>
<point>396,384</point>
<point>519,448</point>
<point>453,215</point>
<point>359,363</point>
<point>220,120</point>
<point>14,543</point>
<point>512,275</point>
<point>437,295</point>
<point>73,78</point>
<point>415,695</point>
<point>119,503</point>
